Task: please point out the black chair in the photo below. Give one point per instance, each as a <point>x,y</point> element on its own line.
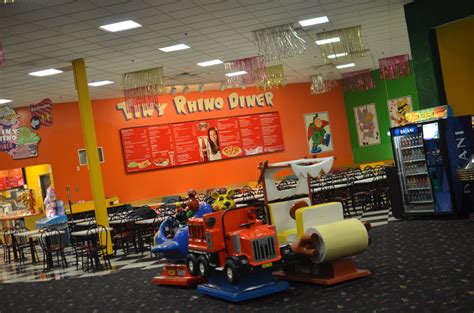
<point>22,243</point>
<point>124,234</point>
<point>97,241</point>
<point>8,245</point>
<point>146,233</point>
<point>51,242</point>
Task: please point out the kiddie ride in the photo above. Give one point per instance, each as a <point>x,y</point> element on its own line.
<point>319,236</point>
<point>171,242</point>
<point>236,253</point>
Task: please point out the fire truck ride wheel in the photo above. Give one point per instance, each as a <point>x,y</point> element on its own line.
<point>203,266</point>
<point>191,263</point>
<point>231,271</point>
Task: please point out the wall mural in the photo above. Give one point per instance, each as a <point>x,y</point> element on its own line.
<point>367,125</point>
<point>318,132</point>
<point>18,142</point>
<point>397,108</point>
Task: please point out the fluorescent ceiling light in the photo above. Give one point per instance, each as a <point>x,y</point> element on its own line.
<point>2,101</point>
<point>47,72</point>
<point>181,46</point>
<point>329,40</point>
<point>209,63</point>
<point>337,55</point>
<point>345,65</point>
<point>236,73</point>
<point>117,27</point>
<point>314,21</point>
<point>100,83</point>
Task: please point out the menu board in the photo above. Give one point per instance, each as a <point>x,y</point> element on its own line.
<point>168,145</point>
<point>11,179</point>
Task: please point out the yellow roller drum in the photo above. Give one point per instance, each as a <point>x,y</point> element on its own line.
<point>340,239</point>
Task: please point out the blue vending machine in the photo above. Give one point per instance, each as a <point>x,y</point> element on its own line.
<point>427,155</point>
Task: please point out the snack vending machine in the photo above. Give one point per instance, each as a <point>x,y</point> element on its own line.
<point>427,156</point>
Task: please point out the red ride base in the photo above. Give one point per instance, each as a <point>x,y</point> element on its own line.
<point>330,273</point>
<point>176,275</point>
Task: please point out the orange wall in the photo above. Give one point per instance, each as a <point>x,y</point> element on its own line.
<point>59,144</point>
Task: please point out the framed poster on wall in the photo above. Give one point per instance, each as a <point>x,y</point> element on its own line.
<point>367,126</point>
<point>169,145</point>
<point>397,108</point>
<point>318,132</point>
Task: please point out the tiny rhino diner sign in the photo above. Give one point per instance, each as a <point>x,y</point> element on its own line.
<point>184,106</point>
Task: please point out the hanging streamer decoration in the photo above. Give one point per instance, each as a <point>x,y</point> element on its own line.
<point>143,87</point>
<point>394,67</point>
<point>320,83</point>
<point>275,77</point>
<point>254,68</point>
<point>350,44</point>
<point>279,42</point>
<point>358,80</point>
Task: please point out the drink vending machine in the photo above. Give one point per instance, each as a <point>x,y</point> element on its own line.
<point>427,155</point>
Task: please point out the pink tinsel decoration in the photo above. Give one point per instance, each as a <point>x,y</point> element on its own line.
<point>254,66</point>
<point>358,80</point>
<point>394,67</point>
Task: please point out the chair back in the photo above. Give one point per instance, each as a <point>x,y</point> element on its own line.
<point>22,240</point>
<point>51,238</point>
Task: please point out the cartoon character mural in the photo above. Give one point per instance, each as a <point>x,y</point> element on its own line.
<point>367,125</point>
<point>397,108</point>
<point>318,132</point>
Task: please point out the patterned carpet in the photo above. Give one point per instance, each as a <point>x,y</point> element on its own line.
<point>417,266</point>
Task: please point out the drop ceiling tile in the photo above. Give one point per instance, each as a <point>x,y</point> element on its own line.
<point>127,6</point>
<point>36,15</point>
<point>57,21</point>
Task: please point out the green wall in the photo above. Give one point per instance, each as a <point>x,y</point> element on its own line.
<point>422,16</point>
<point>386,89</point>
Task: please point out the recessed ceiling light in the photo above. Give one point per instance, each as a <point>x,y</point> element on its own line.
<point>337,55</point>
<point>236,73</point>
<point>100,83</point>
<point>181,46</point>
<point>209,63</point>
<point>326,41</point>
<point>2,101</point>
<point>314,21</point>
<point>345,65</point>
<point>117,27</point>
<point>51,71</point>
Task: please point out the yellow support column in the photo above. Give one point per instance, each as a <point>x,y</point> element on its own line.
<point>88,129</point>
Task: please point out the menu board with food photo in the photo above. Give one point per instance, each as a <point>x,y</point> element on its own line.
<point>11,179</point>
<point>168,145</point>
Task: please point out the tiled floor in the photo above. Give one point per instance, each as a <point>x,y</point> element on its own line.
<point>14,272</point>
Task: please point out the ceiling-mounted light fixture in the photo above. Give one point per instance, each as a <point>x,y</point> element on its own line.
<point>345,65</point>
<point>2,101</point>
<point>314,21</point>
<point>51,71</point>
<point>328,40</point>
<point>100,83</point>
<point>222,87</point>
<point>173,90</point>
<point>120,26</point>
<point>201,87</point>
<point>209,63</point>
<point>185,89</point>
<point>181,46</point>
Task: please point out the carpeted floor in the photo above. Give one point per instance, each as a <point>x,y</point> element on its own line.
<point>417,266</point>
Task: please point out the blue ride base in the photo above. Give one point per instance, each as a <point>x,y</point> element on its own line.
<point>254,285</point>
